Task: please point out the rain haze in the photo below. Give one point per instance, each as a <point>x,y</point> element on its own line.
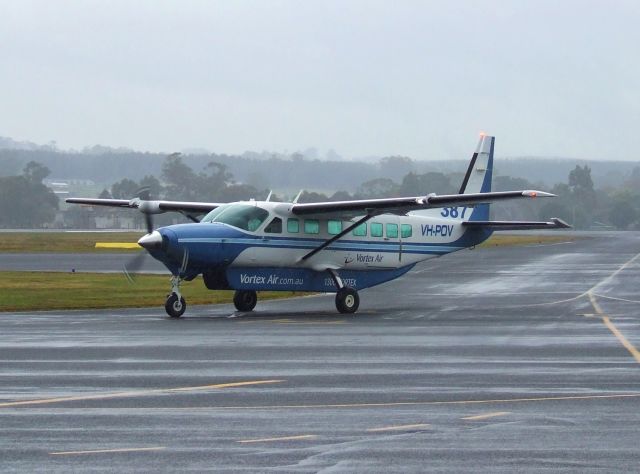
<point>365,78</point>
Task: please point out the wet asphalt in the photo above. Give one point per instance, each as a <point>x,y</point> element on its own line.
<point>488,360</point>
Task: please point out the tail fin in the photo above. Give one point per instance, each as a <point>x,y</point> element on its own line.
<point>478,176</point>
<point>477,179</point>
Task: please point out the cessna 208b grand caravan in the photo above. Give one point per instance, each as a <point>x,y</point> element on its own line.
<point>339,247</point>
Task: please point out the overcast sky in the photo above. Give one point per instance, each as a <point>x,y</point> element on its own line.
<point>421,79</point>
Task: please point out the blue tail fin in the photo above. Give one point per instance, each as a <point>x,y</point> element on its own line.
<point>478,176</point>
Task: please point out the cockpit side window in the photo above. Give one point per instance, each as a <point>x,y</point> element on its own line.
<point>242,216</point>
<point>274,227</point>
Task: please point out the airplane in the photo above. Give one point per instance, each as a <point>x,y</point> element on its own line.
<point>332,247</point>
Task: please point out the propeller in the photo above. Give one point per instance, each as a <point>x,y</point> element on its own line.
<point>152,239</point>
<point>134,265</point>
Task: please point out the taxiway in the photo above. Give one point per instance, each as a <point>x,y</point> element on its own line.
<point>495,360</point>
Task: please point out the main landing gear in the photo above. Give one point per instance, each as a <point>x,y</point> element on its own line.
<point>347,299</point>
<point>245,300</point>
<point>175,305</point>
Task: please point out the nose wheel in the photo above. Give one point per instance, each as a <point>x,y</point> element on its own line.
<point>175,304</point>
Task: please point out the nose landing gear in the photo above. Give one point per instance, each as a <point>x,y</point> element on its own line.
<point>175,305</point>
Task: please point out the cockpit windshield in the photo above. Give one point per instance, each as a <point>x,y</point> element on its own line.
<point>242,216</point>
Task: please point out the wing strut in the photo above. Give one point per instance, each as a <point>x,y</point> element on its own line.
<point>326,243</point>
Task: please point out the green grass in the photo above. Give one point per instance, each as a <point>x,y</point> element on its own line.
<point>84,242</point>
<point>31,291</point>
<point>504,240</point>
<point>61,242</point>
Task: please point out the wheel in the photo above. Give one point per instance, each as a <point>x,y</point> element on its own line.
<point>347,300</point>
<point>245,300</point>
<point>174,307</point>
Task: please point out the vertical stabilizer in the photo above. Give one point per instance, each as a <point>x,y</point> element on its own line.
<point>478,177</point>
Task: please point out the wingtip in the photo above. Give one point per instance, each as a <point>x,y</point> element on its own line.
<point>560,224</point>
<point>534,194</point>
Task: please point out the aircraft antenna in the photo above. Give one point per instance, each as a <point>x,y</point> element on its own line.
<point>295,200</point>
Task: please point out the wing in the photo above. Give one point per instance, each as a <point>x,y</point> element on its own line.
<point>150,207</point>
<point>554,223</point>
<point>401,206</point>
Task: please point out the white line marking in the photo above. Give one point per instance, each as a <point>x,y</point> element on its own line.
<point>99,451</point>
<point>485,416</point>
<point>399,427</point>
<point>282,438</point>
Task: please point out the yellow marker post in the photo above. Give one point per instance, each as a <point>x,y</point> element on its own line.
<point>117,245</point>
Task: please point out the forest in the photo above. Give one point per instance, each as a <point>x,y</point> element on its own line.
<point>25,202</point>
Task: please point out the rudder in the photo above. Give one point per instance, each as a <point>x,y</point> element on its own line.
<point>479,174</point>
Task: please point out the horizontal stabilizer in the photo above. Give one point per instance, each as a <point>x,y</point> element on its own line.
<point>554,223</point>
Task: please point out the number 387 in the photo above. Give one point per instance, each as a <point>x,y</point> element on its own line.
<point>453,212</point>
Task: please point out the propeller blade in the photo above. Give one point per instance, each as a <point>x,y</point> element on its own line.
<point>133,266</point>
<point>144,193</point>
<point>185,261</point>
<point>149,221</point>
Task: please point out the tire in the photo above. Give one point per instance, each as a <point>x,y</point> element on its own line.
<point>174,307</point>
<point>347,300</point>
<point>245,300</point>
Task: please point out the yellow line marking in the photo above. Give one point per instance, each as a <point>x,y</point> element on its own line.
<point>486,415</point>
<point>398,427</point>
<point>404,404</point>
<point>292,322</point>
<point>616,332</point>
<point>283,438</point>
<point>117,245</point>
<point>97,451</point>
<point>136,393</point>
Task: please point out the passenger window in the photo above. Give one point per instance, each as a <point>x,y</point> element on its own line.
<point>406,230</point>
<point>311,226</point>
<point>334,227</point>
<point>361,230</point>
<point>376,229</point>
<point>392,231</point>
<point>293,226</point>
<point>274,227</point>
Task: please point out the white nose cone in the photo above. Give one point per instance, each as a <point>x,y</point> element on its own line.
<point>151,241</point>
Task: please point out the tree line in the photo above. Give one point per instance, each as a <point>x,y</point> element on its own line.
<point>26,202</point>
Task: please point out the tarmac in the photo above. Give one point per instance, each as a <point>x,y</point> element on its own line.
<point>488,360</point>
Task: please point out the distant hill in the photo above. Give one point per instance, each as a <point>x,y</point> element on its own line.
<point>106,165</point>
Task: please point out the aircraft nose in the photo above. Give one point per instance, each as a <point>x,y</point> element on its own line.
<point>151,241</point>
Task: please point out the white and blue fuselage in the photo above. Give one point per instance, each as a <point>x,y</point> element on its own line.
<point>262,246</point>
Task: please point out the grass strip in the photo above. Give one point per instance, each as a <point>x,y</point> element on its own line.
<point>85,242</point>
<point>64,242</point>
<point>32,291</point>
<point>505,240</point>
